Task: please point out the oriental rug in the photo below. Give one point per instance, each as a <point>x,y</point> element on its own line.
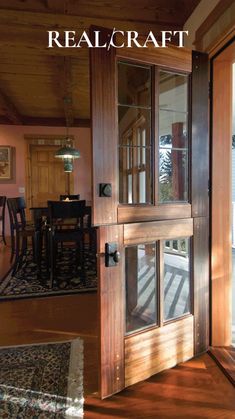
<point>68,280</point>
<point>42,381</point>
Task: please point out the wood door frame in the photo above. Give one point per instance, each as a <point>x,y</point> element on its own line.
<point>221,202</point>
<point>39,140</point>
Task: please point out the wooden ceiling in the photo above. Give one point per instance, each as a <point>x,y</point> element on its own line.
<point>41,86</point>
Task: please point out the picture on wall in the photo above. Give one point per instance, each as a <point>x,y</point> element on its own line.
<point>5,163</point>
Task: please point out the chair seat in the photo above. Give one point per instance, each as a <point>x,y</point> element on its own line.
<point>27,232</point>
<point>67,235</point>
<point>20,226</point>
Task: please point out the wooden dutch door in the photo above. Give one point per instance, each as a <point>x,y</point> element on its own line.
<point>150,200</point>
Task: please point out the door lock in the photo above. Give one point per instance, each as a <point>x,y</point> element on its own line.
<point>105,190</point>
<point>112,255</point>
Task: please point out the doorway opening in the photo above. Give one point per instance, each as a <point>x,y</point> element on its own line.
<point>222,209</point>
<point>233,204</point>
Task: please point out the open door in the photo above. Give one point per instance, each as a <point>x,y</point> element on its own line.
<point>150,200</point>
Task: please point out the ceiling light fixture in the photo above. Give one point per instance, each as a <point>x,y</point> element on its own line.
<point>68,153</point>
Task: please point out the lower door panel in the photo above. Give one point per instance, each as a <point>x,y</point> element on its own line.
<point>156,350</point>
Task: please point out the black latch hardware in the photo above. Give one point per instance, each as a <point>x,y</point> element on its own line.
<point>112,256</point>
<point>105,190</point>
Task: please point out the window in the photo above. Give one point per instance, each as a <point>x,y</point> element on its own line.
<point>153,137</point>
<point>173,137</point>
<point>135,147</point>
<point>145,279</point>
<point>141,288</point>
<point>176,278</point>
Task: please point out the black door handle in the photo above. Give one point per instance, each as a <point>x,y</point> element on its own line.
<point>112,255</point>
<point>116,256</point>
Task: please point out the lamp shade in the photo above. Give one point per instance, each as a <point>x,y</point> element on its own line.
<point>67,152</point>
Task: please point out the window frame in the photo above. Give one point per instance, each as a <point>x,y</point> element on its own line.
<point>157,210</point>
<point>159,286</point>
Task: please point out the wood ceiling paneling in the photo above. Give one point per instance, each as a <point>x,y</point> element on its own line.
<point>41,85</point>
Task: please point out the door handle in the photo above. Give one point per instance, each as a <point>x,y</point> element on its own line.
<point>116,256</point>
<point>112,255</point>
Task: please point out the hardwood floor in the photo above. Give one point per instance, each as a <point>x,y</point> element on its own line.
<point>194,389</point>
<point>52,319</point>
<point>225,358</point>
<point>5,255</point>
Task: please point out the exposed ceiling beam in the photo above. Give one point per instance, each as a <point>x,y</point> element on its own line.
<point>58,6</point>
<point>9,110</point>
<point>65,88</point>
<point>168,11</point>
<point>50,122</point>
<point>27,31</point>
<point>50,21</point>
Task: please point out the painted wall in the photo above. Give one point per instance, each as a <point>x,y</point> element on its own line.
<point>13,135</point>
<point>195,20</point>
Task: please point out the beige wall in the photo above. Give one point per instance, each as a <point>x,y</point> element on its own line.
<point>195,20</point>
<point>12,135</point>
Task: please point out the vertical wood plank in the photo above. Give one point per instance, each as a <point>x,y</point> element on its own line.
<point>104,132</point>
<point>111,313</point>
<point>201,284</point>
<point>221,240</point>
<point>200,138</point>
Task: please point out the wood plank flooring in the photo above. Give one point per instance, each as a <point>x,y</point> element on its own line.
<point>195,389</point>
<point>52,319</point>
<point>225,357</point>
<point>5,255</point>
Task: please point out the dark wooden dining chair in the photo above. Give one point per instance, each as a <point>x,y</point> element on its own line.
<point>89,232</point>
<point>2,217</point>
<point>65,227</point>
<point>70,197</point>
<point>21,231</point>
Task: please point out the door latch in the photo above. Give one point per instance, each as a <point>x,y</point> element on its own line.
<point>112,255</point>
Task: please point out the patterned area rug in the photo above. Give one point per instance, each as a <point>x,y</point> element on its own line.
<point>42,381</point>
<point>68,280</point>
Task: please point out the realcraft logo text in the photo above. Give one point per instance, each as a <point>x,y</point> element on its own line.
<point>115,39</point>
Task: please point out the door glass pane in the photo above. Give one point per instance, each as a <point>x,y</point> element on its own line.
<point>134,119</point>
<point>176,278</point>
<point>173,92</point>
<point>142,188</point>
<point>141,299</point>
<point>173,137</point>
<point>173,175</point>
<point>130,189</point>
<point>134,83</point>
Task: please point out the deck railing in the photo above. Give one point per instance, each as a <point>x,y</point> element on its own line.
<point>178,247</point>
